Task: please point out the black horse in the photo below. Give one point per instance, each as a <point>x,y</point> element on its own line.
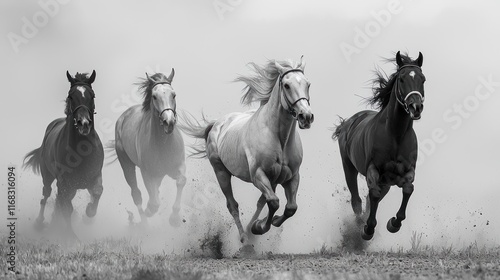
<point>72,153</point>
<point>382,145</point>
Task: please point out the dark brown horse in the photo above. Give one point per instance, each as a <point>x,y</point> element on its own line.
<point>382,145</point>
<point>72,153</point>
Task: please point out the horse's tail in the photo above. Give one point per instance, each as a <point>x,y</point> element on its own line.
<point>338,129</point>
<point>110,149</point>
<point>33,160</point>
<point>190,126</point>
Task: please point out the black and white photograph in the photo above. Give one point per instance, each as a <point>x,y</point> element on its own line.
<point>250,139</point>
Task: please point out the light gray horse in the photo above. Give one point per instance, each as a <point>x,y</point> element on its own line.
<point>261,146</point>
<point>146,136</point>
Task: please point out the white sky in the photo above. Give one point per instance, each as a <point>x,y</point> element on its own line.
<point>123,39</point>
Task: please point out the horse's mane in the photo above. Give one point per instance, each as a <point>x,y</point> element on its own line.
<point>382,85</point>
<point>82,77</point>
<point>260,85</point>
<point>146,87</point>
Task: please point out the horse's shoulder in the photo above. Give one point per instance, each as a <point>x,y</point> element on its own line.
<point>55,124</point>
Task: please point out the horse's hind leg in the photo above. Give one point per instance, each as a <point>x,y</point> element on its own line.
<point>351,177</point>
<point>175,219</point>
<point>224,178</point>
<point>95,192</point>
<point>128,168</point>
<point>290,188</point>
<point>48,179</point>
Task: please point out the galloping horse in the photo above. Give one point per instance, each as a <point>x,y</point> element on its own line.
<point>261,146</point>
<point>71,152</point>
<point>146,136</point>
<point>382,145</point>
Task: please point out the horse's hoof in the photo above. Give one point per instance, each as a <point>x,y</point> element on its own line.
<point>39,225</point>
<point>365,235</point>
<point>391,227</point>
<point>257,229</point>
<point>244,239</point>
<point>150,211</point>
<point>246,251</point>
<point>175,221</point>
<point>277,221</point>
<point>90,211</point>
<point>87,219</point>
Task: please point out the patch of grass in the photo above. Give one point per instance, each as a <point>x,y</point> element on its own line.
<point>124,259</point>
<point>416,241</point>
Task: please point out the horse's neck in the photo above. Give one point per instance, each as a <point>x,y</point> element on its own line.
<point>398,122</point>
<point>157,135</point>
<point>277,118</point>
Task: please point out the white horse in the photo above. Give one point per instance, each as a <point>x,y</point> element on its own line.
<point>261,146</point>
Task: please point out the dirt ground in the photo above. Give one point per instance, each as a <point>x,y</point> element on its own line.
<point>118,259</point>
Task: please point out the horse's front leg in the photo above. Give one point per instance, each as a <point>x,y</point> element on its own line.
<point>290,187</point>
<point>64,208</point>
<point>375,194</point>
<point>175,219</point>
<point>95,191</point>
<point>394,224</point>
<point>152,184</point>
<point>261,181</point>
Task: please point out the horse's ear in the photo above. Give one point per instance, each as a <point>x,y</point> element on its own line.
<point>149,78</point>
<point>92,77</point>
<point>420,59</point>
<point>281,69</point>
<point>171,76</point>
<point>70,79</point>
<point>302,63</point>
<point>399,61</point>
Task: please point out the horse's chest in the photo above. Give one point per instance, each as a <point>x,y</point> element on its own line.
<point>396,172</point>
<point>280,173</point>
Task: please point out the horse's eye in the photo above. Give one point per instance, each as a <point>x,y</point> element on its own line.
<point>154,97</point>
<point>287,86</point>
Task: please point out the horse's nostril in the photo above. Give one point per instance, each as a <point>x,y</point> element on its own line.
<point>312,117</point>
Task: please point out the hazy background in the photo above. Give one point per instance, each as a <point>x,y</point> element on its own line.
<point>456,188</point>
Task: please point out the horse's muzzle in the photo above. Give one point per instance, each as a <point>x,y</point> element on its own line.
<point>415,110</point>
<point>83,126</point>
<point>305,120</point>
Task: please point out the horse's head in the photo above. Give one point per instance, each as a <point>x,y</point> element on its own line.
<point>410,85</point>
<point>294,89</point>
<point>80,102</point>
<point>163,100</point>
